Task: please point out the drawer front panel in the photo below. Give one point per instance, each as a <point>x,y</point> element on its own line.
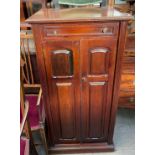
<point>105,29</point>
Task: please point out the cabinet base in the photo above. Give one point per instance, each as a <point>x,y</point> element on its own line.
<point>81,148</point>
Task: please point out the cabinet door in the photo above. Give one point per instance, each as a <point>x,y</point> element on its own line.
<point>98,63</point>
<point>62,67</point>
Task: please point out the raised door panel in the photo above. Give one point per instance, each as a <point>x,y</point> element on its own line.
<point>98,59</point>
<point>97,100</point>
<point>62,67</point>
<point>98,64</point>
<point>62,63</point>
<point>66,97</point>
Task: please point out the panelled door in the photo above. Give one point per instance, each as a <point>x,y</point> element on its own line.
<point>97,66</point>
<point>62,67</point>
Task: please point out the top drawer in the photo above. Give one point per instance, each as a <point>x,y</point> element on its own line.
<point>107,29</point>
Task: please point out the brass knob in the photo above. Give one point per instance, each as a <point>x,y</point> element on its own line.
<point>84,79</point>
<point>55,32</point>
<point>104,30</point>
<point>131,99</point>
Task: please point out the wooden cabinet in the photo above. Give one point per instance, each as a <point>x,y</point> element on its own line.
<point>97,72</point>
<point>79,53</point>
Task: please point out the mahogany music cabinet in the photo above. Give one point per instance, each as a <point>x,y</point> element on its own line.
<point>79,55</point>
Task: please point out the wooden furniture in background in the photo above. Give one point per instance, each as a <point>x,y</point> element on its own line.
<point>28,8</point>
<point>79,55</point>
<point>127,86</point>
<point>32,6</point>
<point>27,72</point>
<point>28,55</point>
<point>122,5</point>
<point>22,16</point>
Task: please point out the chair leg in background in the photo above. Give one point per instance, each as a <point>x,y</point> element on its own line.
<point>43,137</point>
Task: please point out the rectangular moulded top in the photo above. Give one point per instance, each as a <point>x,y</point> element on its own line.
<point>78,15</point>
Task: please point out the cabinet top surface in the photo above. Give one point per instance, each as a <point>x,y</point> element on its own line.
<point>77,14</point>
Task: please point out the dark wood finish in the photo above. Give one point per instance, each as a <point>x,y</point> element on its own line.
<point>81,148</point>
<point>62,65</point>
<point>117,79</point>
<point>96,89</point>
<point>105,29</point>
<point>43,81</point>
<point>127,96</point>
<point>79,65</point>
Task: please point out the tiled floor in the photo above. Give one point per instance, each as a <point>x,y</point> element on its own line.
<point>124,136</point>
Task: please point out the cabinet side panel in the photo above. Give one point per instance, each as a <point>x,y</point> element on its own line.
<point>117,78</point>
<point>42,75</point>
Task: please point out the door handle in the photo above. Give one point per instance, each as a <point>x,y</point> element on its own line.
<point>84,79</point>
